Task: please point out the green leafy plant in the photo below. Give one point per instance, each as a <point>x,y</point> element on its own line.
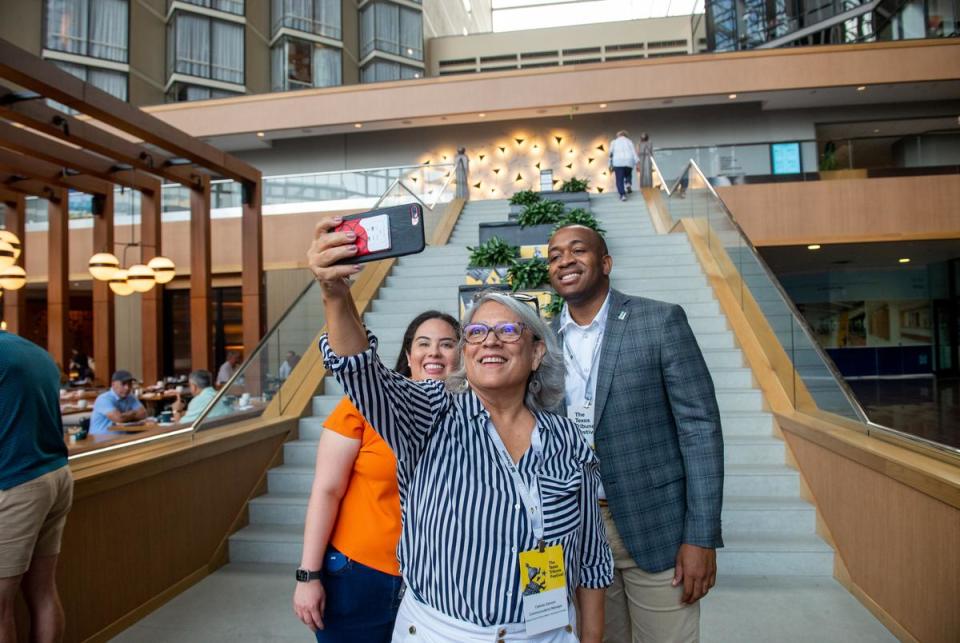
<point>493,252</point>
<point>575,185</point>
<point>528,274</point>
<point>540,212</point>
<point>554,307</point>
<point>524,197</point>
<point>579,216</point>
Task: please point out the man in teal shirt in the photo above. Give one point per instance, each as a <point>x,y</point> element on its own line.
<point>36,488</point>
<point>201,388</point>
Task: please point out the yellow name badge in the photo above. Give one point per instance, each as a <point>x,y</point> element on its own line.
<point>543,586</point>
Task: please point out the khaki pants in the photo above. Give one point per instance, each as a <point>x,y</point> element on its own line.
<point>642,607</point>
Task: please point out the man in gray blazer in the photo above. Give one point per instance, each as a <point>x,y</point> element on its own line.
<point>638,387</point>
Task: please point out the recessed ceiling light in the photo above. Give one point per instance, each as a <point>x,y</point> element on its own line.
<point>416,75</point>
<point>358,125</point>
<point>876,131</point>
<point>603,105</point>
<point>409,51</point>
<point>862,88</point>
<point>465,32</point>
<point>259,134</point>
<point>904,260</point>
<point>482,115</point>
<point>732,96</point>
<point>813,246</point>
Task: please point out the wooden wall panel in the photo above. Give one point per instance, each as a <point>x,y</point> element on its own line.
<point>14,301</point>
<point>847,210</point>
<point>253,301</point>
<point>900,546</point>
<point>127,544</point>
<point>152,301</point>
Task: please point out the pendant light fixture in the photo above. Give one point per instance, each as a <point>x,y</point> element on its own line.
<point>13,278</point>
<point>13,240</point>
<point>7,255</point>
<point>163,269</point>
<point>140,277</point>
<point>119,285</point>
<point>103,265</point>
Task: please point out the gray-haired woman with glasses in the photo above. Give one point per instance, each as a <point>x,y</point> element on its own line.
<point>501,524</point>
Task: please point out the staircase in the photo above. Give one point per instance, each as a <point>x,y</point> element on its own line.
<point>768,528</point>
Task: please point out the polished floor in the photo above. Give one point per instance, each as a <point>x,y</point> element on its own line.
<point>252,603</point>
<point>926,407</point>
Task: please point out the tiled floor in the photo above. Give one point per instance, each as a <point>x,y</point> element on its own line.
<point>926,407</point>
<point>252,603</point>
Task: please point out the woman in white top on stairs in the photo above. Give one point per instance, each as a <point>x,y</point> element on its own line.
<point>623,158</point>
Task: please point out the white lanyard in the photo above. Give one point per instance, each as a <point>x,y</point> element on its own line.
<point>585,374</point>
<point>529,496</point>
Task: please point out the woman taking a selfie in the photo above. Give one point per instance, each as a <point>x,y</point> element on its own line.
<point>349,581</point>
<point>501,523</point>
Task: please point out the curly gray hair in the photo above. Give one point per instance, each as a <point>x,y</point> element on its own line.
<point>545,384</point>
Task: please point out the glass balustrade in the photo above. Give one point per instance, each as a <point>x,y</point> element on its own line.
<point>809,376</point>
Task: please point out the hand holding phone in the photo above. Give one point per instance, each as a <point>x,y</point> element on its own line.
<point>383,233</point>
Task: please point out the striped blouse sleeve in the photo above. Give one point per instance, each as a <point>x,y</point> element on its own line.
<point>402,411</point>
<point>596,559</point>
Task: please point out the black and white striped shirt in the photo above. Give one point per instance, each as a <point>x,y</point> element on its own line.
<point>463,519</point>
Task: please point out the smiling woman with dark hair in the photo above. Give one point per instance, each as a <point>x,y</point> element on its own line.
<point>501,524</point>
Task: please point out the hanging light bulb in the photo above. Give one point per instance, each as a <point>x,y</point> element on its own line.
<point>103,266</point>
<point>140,277</point>
<point>119,285</point>
<point>163,269</point>
<point>9,237</point>
<point>13,278</point>
<point>7,255</point>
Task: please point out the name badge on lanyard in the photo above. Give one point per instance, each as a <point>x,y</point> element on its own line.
<point>583,414</point>
<point>543,578</point>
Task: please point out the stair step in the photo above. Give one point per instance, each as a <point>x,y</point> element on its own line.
<point>279,509</point>
<point>723,358</point>
<point>731,378</point>
<point>323,405</point>
<point>776,480</point>
<point>743,400</point>
<point>764,514</point>
<point>768,554</point>
<point>267,544</point>
<point>750,449</point>
<point>311,427</point>
<point>743,423</point>
<point>288,478</point>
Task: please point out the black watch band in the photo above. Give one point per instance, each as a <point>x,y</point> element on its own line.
<point>305,576</point>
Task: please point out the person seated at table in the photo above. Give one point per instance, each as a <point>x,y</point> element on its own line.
<point>228,368</point>
<point>201,388</point>
<point>288,364</point>
<point>79,370</point>
<point>117,405</point>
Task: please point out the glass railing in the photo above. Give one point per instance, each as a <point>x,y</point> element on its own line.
<point>261,377</point>
<point>810,160</point>
<point>282,194</point>
<point>810,377</point>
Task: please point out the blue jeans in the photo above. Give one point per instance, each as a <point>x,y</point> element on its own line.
<point>362,603</point>
<point>624,175</point>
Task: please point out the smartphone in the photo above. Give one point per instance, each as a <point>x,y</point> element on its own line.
<point>383,233</point>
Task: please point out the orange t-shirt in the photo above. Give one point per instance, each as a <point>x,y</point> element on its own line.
<point>368,524</point>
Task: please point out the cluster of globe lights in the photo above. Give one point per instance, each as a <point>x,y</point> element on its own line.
<point>12,276</point>
<point>104,266</point>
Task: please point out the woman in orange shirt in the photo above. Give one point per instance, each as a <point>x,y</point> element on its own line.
<point>349,581</point>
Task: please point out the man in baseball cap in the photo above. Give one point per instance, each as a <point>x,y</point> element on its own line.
<point>117,405</point>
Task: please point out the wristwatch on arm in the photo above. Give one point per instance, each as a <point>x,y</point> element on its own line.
<point>305,575</point>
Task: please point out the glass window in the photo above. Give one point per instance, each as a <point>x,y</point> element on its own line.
<point>206,48</point>
<point>392,29</point>
<point>110,81</point>
<point>384,70</point>
<point>228,6</point>
<point>95,28</point>
<point>943,18</point>
<point>321,17</point>
<point>298,64</point>
<point>181,92</point>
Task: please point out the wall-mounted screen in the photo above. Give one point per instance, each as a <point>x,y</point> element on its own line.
<point>785,158</point>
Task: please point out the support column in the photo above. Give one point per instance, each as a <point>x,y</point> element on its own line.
<point>201,292</point>
<point>152,300</point>
<point>254,312</point>
<point>104,313</point>
<point>58,285</point>
<point>15,301</point>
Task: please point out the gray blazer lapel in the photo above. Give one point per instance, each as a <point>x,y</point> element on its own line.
<point>617,318</point>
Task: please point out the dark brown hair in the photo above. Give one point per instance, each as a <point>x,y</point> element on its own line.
<point>403,365</point>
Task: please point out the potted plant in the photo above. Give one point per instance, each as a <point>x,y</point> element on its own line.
<point>579,216</point>
<point>572,191</point>
<point>532,227</point>
<point>490,261</point>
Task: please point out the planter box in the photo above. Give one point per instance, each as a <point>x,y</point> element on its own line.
<point>543,295</point>
<point>513,234</point>
<point>515,210</point>
<point>566,197</point>
<point>832,175</point>
<point>486,276</point>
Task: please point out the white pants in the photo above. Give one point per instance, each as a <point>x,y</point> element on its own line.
<point>419,623</point>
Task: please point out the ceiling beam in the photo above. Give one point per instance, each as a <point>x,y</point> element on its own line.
<point>49,174</point>
<point>19,184</point>
<point>30,72</point>
<point>47,149</point>
<point>37,115</point>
